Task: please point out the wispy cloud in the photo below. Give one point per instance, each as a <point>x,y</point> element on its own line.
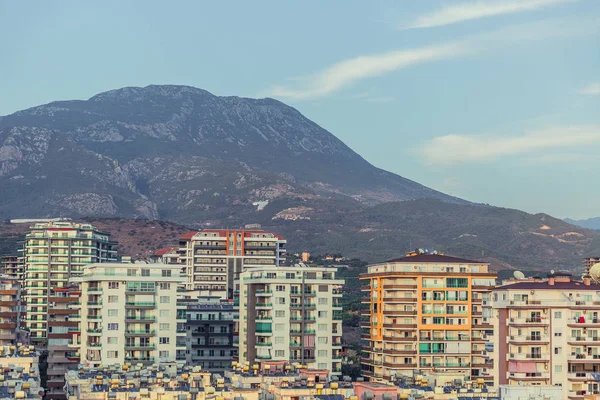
<point>346,72</point>
<point>457,149</point>
<point>593,89</point>
<point>478,9</point>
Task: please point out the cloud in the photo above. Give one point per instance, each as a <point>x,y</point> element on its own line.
<point>478,9</point>
<point>593,89</point>
<point>346,72</point>
<point>457,149</point>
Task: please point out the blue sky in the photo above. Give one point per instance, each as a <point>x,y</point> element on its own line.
<point>495,101</point>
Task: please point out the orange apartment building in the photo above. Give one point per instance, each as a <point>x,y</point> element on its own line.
<point>12,307</point>
<point>427,312</point>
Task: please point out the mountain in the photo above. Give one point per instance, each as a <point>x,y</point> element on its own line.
<point>590,223</point>
<point>181,154</point>
<point>178,153</point>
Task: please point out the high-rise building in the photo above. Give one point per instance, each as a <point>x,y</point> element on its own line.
<point>53,253</point>
<point>548,333</point>
<point>12,309</point>
<point>12,267</point>
<point>63,331</point>
<point>211,334</point>
<point>130,313</point>
<point>426,311</point>
<point>213,259</point>
<point>588,263</point>
<point>291,315</point>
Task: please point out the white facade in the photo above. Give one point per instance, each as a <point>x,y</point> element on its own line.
<point>130,314</point>
<point>548,334</point>
<point>291,315</point>
<point>213,259</point>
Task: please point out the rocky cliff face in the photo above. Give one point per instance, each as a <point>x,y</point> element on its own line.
<point>177,152</point>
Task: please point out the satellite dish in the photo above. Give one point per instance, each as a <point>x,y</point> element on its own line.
<point>519,275</point>
<point>595,272</point>
<point>552,271</point>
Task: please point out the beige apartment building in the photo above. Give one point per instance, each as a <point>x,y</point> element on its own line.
<point>427,312</point>
<point>289,316</point>
<point>129,313</point>
<point>213,259</point>
<point>53,253</point>
<point>548,333</point>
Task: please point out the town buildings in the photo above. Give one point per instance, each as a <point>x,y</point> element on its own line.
<point>12,267</point>
<point>291,315</point>
<point>167,255</point>
<point>53,253</point>
<point>214,259</point>
<point>63,329</point>
<point>211,334</point>
<point>548,333</point>
<point>130,314</point>
<point>426,311</point>
<point>12,307</point>
<point>20,375</point>
<point>588,263</point>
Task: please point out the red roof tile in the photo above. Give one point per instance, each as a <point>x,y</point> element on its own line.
<point>189,235</point>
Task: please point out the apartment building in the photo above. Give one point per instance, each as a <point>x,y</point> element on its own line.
<point>12,267</point>
<point>291,315</point>
<point>211,334</point>
<point>63,330</point>
<point>588,263</point>
<point>12,309</point>
<point>548,334</point>
<point>426,312</point>
<point>167,255</point>
<point>213,259</point>
<point>130,313</point>
<point>20,373</point>
<point>53,253</point>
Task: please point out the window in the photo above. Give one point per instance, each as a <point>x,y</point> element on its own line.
<point>557,333</point>
<point>279,353</point>
<point>163,340</point>
<point>322,340</point>
<point>322,301</point>
<point>223,329</point>
<point>113,313</point>
<point>131,272</point>
<point>557,350</point>
<point>322,314</point>
<point>280,288</point>
<point>145,272</point>
<point>113,327</point>
<point>279,339</point>
<point>112,340</point>
<point>112,354</point>
<point>166,272</point>
<point>163,354</point>
<point>280,313</point>
<point>164,286</point>
<point>279,327</point>
<point>558,368</point>
<point>164,327</point>
<point>113,299</point>
<point>322,353</point>
<point>322,327</point>
<point>281,300</point>
<point>323,366</point>
<point>164,313</point>
<point>109,271</point>
<point>113,285</point>
<point>165,299</point>
<point>557,314</point>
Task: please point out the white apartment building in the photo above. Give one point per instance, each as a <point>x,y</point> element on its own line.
<point>548,334</point>
<point>291,315</point>
<point>213,259</point>
<point>130,314</point>
<point>53,253</point>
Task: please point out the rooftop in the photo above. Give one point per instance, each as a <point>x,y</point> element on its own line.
<point>433,258</point>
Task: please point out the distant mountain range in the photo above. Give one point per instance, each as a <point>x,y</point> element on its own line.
<point>590,223</point>
<point>181,154</point>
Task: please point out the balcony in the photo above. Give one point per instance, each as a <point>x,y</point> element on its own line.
<point>94,290</point>
<point>528,321</point>
<point>140,304</point>
<point>138,346</point>
<point>541,357</point>
<point>133,318</point>
<point>139,332</point>
<point>580,376</point>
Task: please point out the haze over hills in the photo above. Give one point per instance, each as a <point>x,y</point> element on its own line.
<point>182,154</point>
<point>589,223</point>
